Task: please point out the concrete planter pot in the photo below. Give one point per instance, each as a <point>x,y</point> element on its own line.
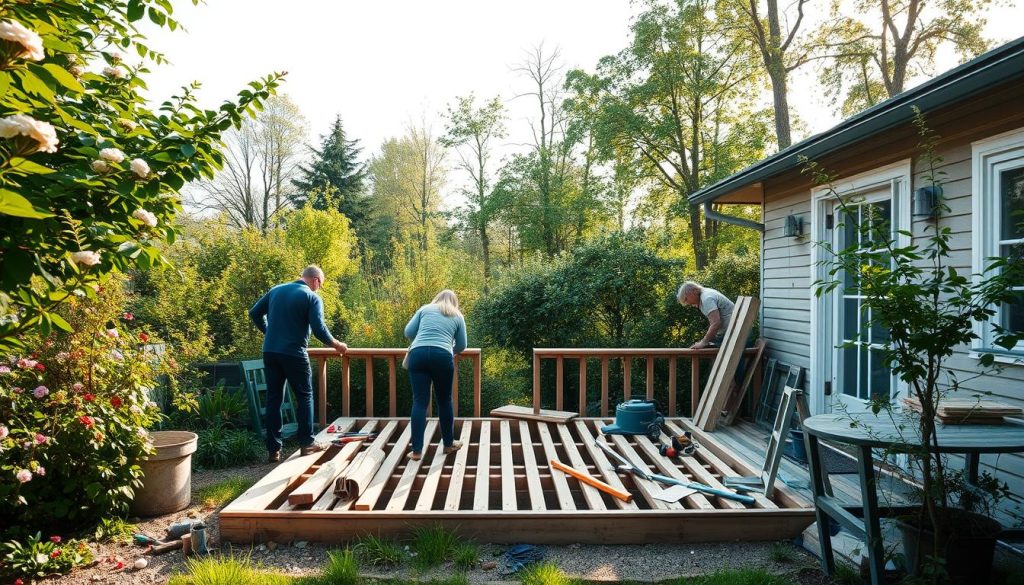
<point>167,481</point>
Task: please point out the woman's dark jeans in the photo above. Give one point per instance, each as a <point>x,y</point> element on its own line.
<point>431,365</point>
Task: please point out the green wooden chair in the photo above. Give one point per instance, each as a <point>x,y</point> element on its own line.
<point>256,384</point>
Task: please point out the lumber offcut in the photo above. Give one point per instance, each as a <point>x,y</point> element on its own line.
<point>351,484</point>
<point>526,413</point>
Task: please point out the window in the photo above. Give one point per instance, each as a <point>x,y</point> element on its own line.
<point>998,208</point>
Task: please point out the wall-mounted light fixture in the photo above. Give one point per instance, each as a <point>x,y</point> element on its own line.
<point>794,226</point>
<point>926,201</point>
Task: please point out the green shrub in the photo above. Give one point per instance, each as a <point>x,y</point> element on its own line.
<point>221,407</point>
<point>38,557</point>
<point>220,447</point>
<point>378,552</point>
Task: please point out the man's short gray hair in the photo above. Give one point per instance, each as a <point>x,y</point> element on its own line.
<point>313,271</point>
<point>688,287</point>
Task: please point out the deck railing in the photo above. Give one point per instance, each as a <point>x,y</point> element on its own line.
<point>627,356</point>
<point>393,355</point>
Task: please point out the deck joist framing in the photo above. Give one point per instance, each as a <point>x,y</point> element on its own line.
<point>518,498</point>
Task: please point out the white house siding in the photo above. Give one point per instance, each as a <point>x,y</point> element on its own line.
<point>787,283</point>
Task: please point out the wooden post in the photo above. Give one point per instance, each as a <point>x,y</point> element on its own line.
<point>369,385</point>
<point>455,388</point>
<point>627,377</point>
<point>536,383</point>
<point>672,386</point>
<point>392,386</point>
<point>583,386</point>
<point>650,377</point>
<point>346,386</point>
<point>694,383</point>
<point>478,367</point>
<point>559,382</point>
<point>604,386</point>
<point>321,391</point>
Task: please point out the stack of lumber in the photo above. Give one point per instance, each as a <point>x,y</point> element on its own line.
<point>958,411</point>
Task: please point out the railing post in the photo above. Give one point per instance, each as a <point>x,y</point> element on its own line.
<point>321,391</point>
<point>583,386</point>
<point>392,387</point>
<point>369,385</point>
<point>478,367</point>
<point>559,385</point>
<point>672,385</point>
<point>650,377</point>
<point>346,386</point>
<point>536,383</point>
<point>694,384</point>
<point>604,385</point>
<point>627,377</point>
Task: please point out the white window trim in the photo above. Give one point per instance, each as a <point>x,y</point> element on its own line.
<point>898,176</point>
<point>985,155</point>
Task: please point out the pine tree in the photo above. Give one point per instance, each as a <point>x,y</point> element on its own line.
<point>335,164</point>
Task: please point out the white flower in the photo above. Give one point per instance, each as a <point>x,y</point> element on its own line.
<point>32,42</point>
<point>112,154</point>
<point>4,432</point>
<point>112,333</point>
<point>24,475</point>
<point>41,132</point>
<point>41,471</point>
<point>86,257</point>
<point>114,72</point>
<point>141,168</point>
<point>145,217</point>
<point>100,166</point>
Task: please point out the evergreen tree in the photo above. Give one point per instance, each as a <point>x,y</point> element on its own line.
<point>335,164</point>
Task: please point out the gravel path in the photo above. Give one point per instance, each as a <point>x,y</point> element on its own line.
<point>593,562</point>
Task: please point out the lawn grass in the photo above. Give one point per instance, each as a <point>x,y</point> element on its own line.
<point>217,494</point>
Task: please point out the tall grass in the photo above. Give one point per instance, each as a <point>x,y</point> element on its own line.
<point>378,552</point>
<point>433,545</point>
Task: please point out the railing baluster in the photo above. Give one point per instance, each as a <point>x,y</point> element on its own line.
<point>650,377</point>
<point>583,387</point>
<point>559,385</point>
<point>392,387</point>
<point>321,391</point>
<point>672,386</point>
<point>604,386</point>
<point>369,385</point>
<point>627,377</point>
<point>346,386</point>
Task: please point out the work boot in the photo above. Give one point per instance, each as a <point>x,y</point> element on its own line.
<point>313,447</point>
<point>274,456</point>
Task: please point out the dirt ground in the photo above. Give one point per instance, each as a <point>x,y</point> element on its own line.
<point>593,562</point>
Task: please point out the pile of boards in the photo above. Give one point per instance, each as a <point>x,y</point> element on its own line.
<point>958,411</point>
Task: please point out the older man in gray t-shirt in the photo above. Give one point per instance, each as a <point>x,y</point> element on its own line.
<point>713,304</point>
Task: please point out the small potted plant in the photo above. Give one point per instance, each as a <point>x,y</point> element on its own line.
<point>929,309</point>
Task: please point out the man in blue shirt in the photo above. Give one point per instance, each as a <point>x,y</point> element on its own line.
<point>286,315</point>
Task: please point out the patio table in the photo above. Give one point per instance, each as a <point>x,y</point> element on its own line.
<point>868,431</point>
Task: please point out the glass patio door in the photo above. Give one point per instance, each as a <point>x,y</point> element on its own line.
<point>859,374</point>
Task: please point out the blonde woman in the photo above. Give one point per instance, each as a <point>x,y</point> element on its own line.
<point>438,334</point>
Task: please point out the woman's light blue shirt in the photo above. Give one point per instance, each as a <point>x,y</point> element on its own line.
<point>429,327</point>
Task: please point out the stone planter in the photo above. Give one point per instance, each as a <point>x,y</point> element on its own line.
<point>167,484</point>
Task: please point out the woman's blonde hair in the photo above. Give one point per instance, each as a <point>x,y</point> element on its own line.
<point>448,303</point>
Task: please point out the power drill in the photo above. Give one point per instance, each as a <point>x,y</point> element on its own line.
<point>679,445</point>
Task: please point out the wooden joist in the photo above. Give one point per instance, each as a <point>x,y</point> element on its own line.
<point>482,481</point>
<point>562,492</point>
<point>373,491</point>
<point>531,469</point>
<point>454,498</point>
<point>404,487</point>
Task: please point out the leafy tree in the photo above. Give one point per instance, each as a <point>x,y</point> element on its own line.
<point>260,159</point>
<point>335,164</point>
<point>88,173</point>
<point>471,131</point>
<point>875,52</point>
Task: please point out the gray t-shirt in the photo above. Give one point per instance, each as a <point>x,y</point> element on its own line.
<point>710,300</point>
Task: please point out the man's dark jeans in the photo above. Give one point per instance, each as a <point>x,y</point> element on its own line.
<point>279,367</point>
<point>426,365</point>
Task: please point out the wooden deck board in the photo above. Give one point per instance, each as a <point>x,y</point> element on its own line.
<point>500,488</point>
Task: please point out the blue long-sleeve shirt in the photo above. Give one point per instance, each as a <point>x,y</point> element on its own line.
<point>429,327</point>
<point>286,315</point>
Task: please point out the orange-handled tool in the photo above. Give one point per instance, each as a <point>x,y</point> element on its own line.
<point>592,481</point>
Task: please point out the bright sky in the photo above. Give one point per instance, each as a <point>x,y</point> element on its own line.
<point>382,64</point>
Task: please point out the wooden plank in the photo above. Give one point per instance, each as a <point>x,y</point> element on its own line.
<point>531,469</point>
<point>646,487</point>
<point>716,393</point>
<point>740,310</point>
<point>508,480</point>
<point>524,413</point>
<point>735,399</point>
<point>273,485</point>
<point>604,467</point>
<point>666,467</point>
<point>404,487</point>
<point>590,494</point>
<point>323,478</point>
<point>372,492</point>
<point>452,502</point>
<point>429,488</point>
<point>562,492</point>
<point>481,487</point>
<point>328,499</point>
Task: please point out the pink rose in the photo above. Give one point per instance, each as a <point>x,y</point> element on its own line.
<point>18,390</point>
<point>5,370</point>
<point>41,471</point>
<point>4,432</point>
<point>41,391</point>
<point>24,475</point>
<point>112,333</point>
<point>55,539</point>
<point>77,386</point>
<point>40,438</point>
